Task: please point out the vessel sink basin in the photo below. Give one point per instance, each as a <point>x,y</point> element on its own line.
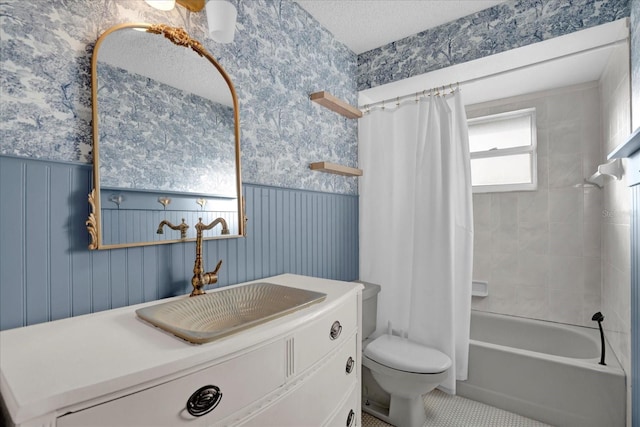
<point>214,315</point>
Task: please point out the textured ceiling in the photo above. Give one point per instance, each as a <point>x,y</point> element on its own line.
<point>363,25</point>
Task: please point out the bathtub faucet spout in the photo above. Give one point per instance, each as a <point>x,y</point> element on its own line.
<point>598,317</point>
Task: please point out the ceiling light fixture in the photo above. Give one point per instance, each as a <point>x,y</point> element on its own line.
<point>221,19</point>
<point>221,15</point>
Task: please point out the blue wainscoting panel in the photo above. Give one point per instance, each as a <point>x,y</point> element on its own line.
<point>12,244</point>
<point>47,272</point>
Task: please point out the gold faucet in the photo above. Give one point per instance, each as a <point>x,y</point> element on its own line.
<point>182,227</point>
<point>200,278</point>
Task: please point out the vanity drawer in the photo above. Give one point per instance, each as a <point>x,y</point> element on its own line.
<point>325,334</point>
<point>349,414</point>
<point>318,396</point>
<point>165,404</point>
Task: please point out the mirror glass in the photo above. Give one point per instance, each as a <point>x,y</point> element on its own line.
<point>166,139</point>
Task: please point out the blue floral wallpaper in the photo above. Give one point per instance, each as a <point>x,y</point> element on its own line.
<point>148,143</point>
<point>509,25</point>
<point>279,56</point>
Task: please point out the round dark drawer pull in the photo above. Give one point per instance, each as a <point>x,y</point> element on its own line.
<point>204,400</point>
<point>351,418</point>
<point>336,329</point>
<point>350,363</point>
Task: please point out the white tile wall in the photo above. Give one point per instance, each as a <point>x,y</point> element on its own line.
<point>615,218</point>
<point>562,253</point>
<point>540,250</point>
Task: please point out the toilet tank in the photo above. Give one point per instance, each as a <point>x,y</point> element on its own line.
<point>369,307</point>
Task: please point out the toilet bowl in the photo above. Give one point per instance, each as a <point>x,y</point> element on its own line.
<point>403,368</point>
<point>406,370</point>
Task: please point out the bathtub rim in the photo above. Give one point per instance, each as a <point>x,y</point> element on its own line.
<point>613,365</point>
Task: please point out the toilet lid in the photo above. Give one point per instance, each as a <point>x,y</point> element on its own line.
<point>404,355</point>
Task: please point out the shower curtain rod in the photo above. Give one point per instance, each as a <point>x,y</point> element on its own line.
<point>397,101</point>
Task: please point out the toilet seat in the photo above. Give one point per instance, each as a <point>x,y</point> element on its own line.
<point>408,356</point>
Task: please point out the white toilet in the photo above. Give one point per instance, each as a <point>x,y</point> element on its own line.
<point>404,369</point>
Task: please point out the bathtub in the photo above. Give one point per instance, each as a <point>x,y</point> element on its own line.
<point>543,370</point>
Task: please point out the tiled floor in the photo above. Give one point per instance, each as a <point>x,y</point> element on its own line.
<point>444,410</point>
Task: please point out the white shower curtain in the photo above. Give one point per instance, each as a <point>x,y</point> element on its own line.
<point>416,222</point>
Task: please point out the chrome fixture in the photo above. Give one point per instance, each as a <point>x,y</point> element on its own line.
<point>221,15</point>
<point>200,278</point>
<point>182,227</point>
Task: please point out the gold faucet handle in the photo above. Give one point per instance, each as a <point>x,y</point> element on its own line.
<point>212,277</point>
<point>218,265</point>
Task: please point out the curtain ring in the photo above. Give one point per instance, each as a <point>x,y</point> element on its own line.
<point>397,101</point>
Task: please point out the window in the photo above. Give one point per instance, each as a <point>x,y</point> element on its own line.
<point>503,152</point>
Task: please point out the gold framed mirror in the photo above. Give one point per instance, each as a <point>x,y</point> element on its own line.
<point>166,139</point>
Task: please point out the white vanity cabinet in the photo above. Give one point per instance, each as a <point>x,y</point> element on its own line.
<point>111,368</point>
<point>238,382</point>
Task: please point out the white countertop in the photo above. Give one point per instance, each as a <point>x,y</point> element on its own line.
<point>57,364</point>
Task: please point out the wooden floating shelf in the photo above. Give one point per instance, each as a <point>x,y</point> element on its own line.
<point>336,169</point>
<point>334,104</point>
